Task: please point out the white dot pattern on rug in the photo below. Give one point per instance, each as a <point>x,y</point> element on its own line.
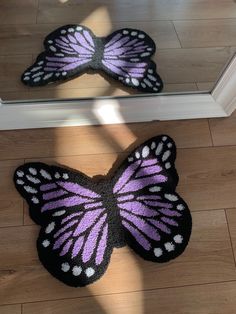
<point>33,171</point>
<point>65,267</point>
<point>50,227</point>
<point>153,145</point>
<point>65,176</point>
<point>158,252</point>
<point>20,174</point>
<point>159,149</point>
<point>89,272</point>
<point>76,270</point>
<point>180,207</point>
<point>46,243</point>
<point>155,189</point>
<point>169,246</point>
<point>166,155</point>
<point>178,238</point>
<point>57,175</point>
<point>167,165</point>
<point>171,197</point>
<point>29,189</point>
<point>35,200</point>
<point>32,179</point>
<point>59,213</point>
<point>45,174</point>
<point>21,182</point>
<point>145,151</point>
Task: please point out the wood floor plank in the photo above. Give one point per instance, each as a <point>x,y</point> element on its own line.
<point>98,139</point>
<point>205,299</point>
<point>193,64</point>
<point>231,218</point>
<point>207,259</point>
<point>12,68</point>
<point>205,86</point>
<point>185,87</point>
<point>18,12</point>
<point>12,96</point>
<point>21,39</point>
<point>206,33</point>
<point>223,130</point>
<point>53,11</point>
<point>11,205</point>
<point>17,39</point>
<point>18,247</point>
<point>208,177</point>
<point>10,309</point>
<point>11,213</point>
<point>85,82</point>
<point>69,93</point>
<point>7,168</point>
<point>62,93</point>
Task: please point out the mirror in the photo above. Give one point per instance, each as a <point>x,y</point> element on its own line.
<point>195,40</point>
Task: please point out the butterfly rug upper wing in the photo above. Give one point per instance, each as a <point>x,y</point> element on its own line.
<point>73,240</point>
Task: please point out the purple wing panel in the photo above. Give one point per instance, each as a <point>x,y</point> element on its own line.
<point>52,190</point>
<point>73,241</point>
<point>68,51</point>
<point>129,44</point>
<point>156,220</point>
<point>158,231</point>
<point>127,57</point>
<point>75,249</point>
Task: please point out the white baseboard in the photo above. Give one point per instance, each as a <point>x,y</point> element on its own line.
<point>224,92</point>
<point>221,102</point>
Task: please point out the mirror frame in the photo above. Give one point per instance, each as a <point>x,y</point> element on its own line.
<point>220,102</point>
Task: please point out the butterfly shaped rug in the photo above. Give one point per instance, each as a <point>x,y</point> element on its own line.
<point>71,50</point>
<point>83,219</point>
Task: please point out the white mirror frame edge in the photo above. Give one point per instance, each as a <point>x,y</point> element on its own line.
<point>220,102</point>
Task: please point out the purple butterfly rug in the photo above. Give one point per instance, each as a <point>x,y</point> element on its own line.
<point>71,50</point>
<point>83,219</point>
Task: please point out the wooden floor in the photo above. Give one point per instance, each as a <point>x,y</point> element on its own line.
<point>195,40</point>
<point>201,281</point>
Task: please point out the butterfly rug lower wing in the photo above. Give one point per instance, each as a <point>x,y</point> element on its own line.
<point>159,228</point>
<point>76,251</point>
<point>156,220</point>
<point>73,241</point>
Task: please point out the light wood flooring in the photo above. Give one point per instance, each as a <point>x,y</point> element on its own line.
<point>201,281</point>
<point>195,40</point>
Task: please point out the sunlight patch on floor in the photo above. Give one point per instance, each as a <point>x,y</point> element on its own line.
<point>115,304</point>
<point>99,16</point>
